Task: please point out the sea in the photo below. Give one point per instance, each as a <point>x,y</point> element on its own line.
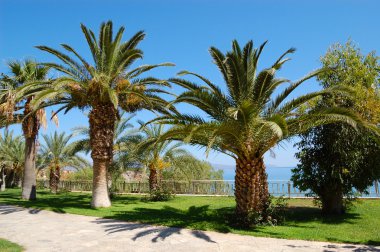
<point>280,174</point>
<point>274,173</point>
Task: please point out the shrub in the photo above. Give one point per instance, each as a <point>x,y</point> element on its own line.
<point>273,215</point>
<point>160,194</point>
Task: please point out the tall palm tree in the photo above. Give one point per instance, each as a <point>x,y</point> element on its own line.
<point>246,121</point>
<point>12,101</point>
<point>158,155</point>
<point>12,158</point>
<point>104,86</point>
<point>56,153</point>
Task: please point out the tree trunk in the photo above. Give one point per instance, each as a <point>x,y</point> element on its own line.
<point>17,181</point>
<point>9,178</point>
<point>100,195</point>
<point>153,178</point>
<point>332,202</point>
<point>251,188</point>
<point>51,179</point>
<point>30,127</point>
<point>29,175</point>
<point>2,187</point>
<point>102,126</point>
<point>55,175</point>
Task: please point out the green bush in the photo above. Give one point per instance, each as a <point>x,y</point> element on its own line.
<point>160,194</point>
<point>273,215</point>
<point>81,175</point>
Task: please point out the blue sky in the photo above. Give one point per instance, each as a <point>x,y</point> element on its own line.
<point>182,31</point>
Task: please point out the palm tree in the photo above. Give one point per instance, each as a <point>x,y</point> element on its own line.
<point>158,155</point>
<point>57,153</point>
<point>246,121</point>
<point>12,158</point>
<point>103,87</point>
<point>12,100</point>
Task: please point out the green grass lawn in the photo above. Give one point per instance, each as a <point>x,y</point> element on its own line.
<point>303,221</point>
<point>7,246</point>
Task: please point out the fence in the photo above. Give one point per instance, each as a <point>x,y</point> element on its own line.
<point>198,187</point>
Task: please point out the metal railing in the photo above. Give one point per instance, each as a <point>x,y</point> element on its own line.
<point>197,187</point>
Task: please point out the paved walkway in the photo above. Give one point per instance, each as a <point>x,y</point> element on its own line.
<point>40,231</point>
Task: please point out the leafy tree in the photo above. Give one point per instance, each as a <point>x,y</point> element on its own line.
<point>103,86</point>
<point>16,95</point>
<point>246,121</point>
<point>335,158</point>
<point>189,168</point>
<point>82,174</point>
<point>57,153</point>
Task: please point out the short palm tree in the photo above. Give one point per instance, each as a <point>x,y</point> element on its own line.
<point>56,153</point>
<point>12,158</point>
<point>12,101</point>
<point>246,121</point>
<point>103,86</point>
<point>158,155</point>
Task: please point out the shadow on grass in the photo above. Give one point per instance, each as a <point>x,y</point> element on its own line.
<point>333,248</point>
<point>45,200</point>
<point>196,217</point>
<point>313,214</point>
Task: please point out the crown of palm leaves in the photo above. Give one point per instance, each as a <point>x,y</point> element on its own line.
<point>248,119</point>
<point>108,79</point>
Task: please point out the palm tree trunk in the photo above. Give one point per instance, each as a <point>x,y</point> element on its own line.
<point>153,178</point>
<point>51,179</point>
<point>102,126</point>
<point>251,188</point>
<point>29,174</point>
<point>100,194</point>
<point>2,188</point>
<point>30,127</point>
<point>55,175</point>
<point>9,178</point>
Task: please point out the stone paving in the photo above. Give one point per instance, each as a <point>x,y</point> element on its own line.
<point>40,231</point>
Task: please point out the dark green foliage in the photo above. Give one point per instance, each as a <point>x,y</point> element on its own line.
<point>336,158</point>
<point>273,215</point>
